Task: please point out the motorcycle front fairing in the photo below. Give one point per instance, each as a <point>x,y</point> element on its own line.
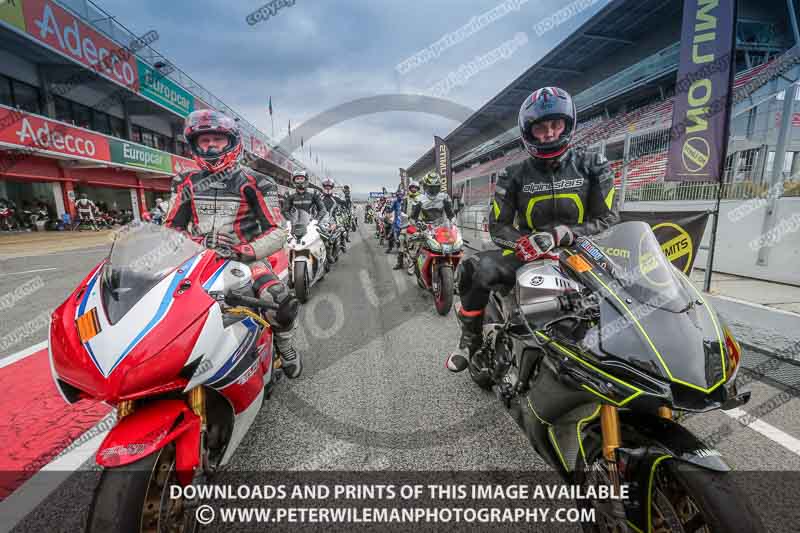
<point>141,327</point>
<point>651,317</point>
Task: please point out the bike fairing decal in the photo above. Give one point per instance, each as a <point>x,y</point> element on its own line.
<point>210,283</point>
<point>551,434</point>
<point>574,356</point>
<point>581,422</point>
<point>81,309</point>
<point>166,302</point>
<point>650,492</point>
<point>237,355</point>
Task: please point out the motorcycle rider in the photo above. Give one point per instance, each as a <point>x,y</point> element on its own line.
<point>335,205</point>
<point>410,201</point>
<point>233,209</point>
<point>397,210</point>
<point>435,204</point>
<point>348,202</point>
<point>556,195</point>
<point>304,199</point>
<point>86,210</point>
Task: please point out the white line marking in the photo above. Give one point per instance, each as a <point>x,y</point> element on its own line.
<point>27,272</point>
<point>30,494</point>
<point>14,357</point>
<point>752,304</point>
<point>771,432</point>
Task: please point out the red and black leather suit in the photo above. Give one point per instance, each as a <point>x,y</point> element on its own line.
<point>244,203</point>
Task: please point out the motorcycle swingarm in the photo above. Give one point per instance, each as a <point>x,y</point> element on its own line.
<point>149,429</point>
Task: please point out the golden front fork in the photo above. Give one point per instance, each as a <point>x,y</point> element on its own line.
<point>665,412</point>
<point>124,408</point>
<point>197,403</point>
<point>612,437</point>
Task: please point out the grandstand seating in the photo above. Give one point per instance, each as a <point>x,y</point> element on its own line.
<point>643,170</point>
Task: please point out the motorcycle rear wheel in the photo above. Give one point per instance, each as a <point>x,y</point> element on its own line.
<point>443,296</point>
<point>300,282</point>
<point>135,498</point>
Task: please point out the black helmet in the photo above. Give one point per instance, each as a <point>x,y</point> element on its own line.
<point>547,103</point>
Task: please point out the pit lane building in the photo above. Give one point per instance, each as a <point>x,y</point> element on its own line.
<point>88,107</point>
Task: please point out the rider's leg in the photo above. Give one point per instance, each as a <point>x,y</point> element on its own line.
<point>477,277</point>
<point>400,251</point>
<point>283,321</point>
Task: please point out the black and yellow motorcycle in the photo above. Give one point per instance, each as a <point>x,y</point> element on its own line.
<point>593,352</point>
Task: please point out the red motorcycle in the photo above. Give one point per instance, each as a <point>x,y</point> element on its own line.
<point>163,329</point>
<point>434,254</point>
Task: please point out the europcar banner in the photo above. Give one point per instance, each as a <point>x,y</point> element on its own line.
<point>678,232</point>
<point>700,116</point>
<point>443,164</point>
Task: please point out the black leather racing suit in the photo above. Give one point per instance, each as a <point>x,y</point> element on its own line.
<point>575,190</point>
<point>333,203</point>
<point>309,201</point>
<point>244,203</point>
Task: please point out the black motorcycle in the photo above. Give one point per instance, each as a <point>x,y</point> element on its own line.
<point>592,352</point>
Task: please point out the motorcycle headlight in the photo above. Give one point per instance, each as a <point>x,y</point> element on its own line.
<point>733,352</point>
<point>434,245</point>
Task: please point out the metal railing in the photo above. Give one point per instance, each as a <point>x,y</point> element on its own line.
<point>106,24</point>
<point>677,191</point>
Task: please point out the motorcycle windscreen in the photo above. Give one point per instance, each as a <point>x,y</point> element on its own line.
<point>141,256</point>
<point>647,313</point>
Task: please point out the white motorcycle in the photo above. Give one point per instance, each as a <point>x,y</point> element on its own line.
<point>307,255</point>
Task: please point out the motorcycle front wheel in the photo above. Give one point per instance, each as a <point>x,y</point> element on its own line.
<point>135,498</point>
<point>443,293</point>
<point>300,282</point>
<point>684,498</point>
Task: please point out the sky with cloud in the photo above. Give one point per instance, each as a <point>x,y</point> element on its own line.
<point>317,54</point>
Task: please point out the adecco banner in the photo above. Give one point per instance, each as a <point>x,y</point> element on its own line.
<point>678,232</point>
<point>60,30</point>
<point>699,134</point>
<point>39,133</point>
<point>160,89</point>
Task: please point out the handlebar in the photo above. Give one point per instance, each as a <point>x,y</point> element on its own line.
<point>249,301</point>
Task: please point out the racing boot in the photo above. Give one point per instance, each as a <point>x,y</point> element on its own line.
<point>469,345</point>
<point>400,265</point>
<point>291,362</point>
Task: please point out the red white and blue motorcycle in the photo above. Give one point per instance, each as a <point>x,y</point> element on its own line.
<point>169,333</point>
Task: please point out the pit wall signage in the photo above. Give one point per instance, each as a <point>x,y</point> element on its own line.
<point>38,133</point>
<point>136,155</point>
<point>163,90</point>
<point>25,130</point>
<point>60,30</point>
<point>701,114</point>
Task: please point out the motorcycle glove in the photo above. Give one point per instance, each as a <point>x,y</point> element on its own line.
<point>222,242</point>
<point>563,236</point>
<point>532,247</point>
